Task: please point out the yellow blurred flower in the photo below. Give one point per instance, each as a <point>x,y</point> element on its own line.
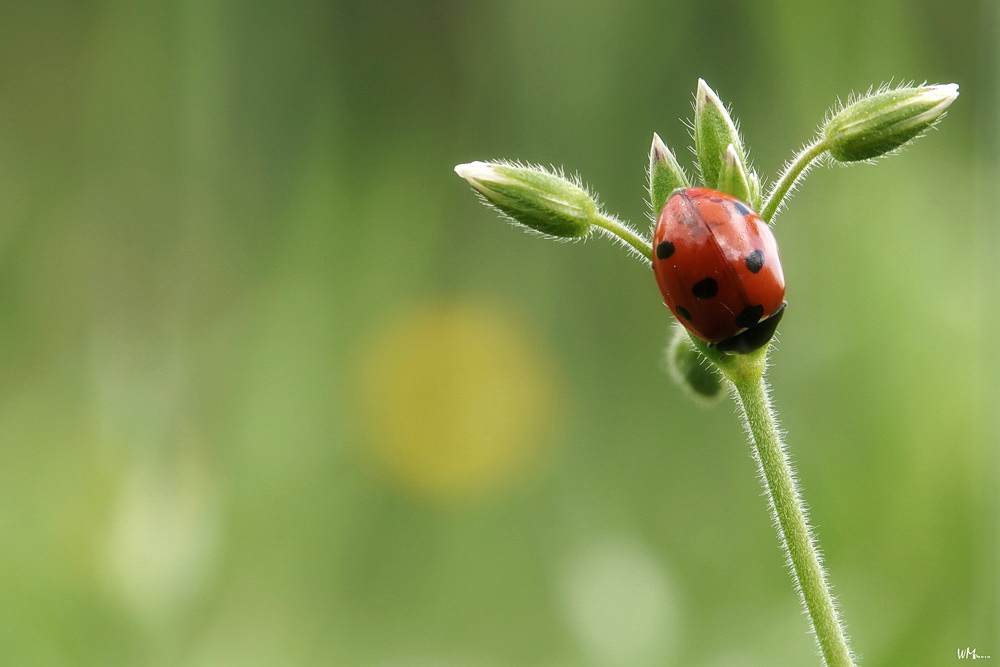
<point>458,399</point>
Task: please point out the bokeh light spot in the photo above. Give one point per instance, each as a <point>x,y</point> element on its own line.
<point>620,604</point>
<point>163,535</point>
<point>459,399</point>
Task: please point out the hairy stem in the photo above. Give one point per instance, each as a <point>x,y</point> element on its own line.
<point>795,170</point>
<point>625,234</point>
<point>790,518</point>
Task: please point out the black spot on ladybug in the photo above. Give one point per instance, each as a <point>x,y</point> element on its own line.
<point>666,249</point>
<point>755,261</point>
<point>741,207</point>
<point>705,289</point>
<point>684,313</point>
<point>749,316</point>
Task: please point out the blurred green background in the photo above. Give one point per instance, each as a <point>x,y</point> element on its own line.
<point>278,391</point>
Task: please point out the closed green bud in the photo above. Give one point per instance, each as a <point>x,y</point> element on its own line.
<point>691,370</point>
<point>665,175</point>
<point>530,196</point>
<point>756,200</point>
<point>734,180</point>
<point>714,132</point>
<point>882,122</point>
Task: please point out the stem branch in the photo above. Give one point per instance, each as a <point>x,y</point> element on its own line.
<point>625,234</point>
<point>790,518</point>
<point>795,169</point>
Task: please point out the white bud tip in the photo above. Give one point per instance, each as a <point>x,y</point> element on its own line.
<point>945,92</point>
<point>705,94</point>
<point>658,151</point>
<point>474,171</point>
<point>946,89</point>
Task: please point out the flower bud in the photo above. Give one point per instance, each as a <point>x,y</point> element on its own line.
<point>533,197</point>
<point>691,370</point>
<point>882,122</point>
<point>756,200</point>
<point>734,179</point>
<point>714,132</point>
<point>665,175</point>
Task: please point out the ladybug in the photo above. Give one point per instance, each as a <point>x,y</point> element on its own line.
<point>716,263</point>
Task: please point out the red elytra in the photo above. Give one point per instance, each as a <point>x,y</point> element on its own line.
<point>716,263</point>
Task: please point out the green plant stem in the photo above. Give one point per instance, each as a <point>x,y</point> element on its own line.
<point>790,517</point>
<point>625,234</point>
<point>795,170</point>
